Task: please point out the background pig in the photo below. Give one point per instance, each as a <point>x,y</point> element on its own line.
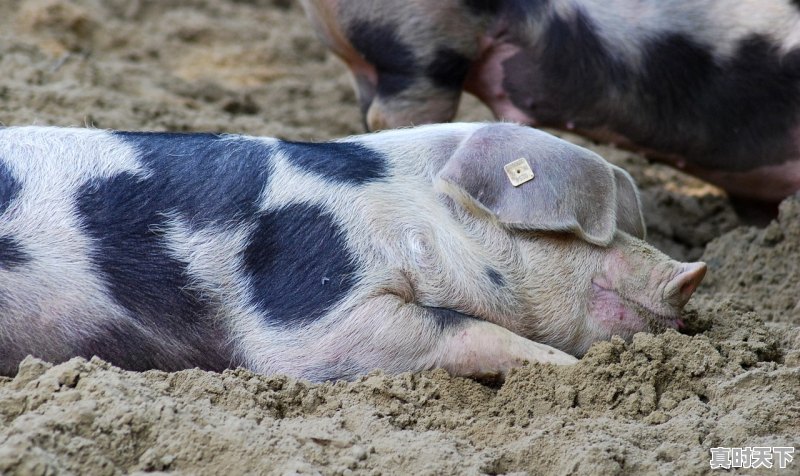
<point>712,86</point>
<point>404,250</point>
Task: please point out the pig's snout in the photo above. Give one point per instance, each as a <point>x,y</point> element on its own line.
<point>393,112</point>
<point>375,119</point>
<point>681,287</point>
<point>640,295</point>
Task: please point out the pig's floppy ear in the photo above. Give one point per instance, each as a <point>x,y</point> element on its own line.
<point>629,206</point>
<point>573,190</point>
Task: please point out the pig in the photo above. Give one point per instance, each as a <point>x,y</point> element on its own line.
<point>709,86</point>
<point>403,250</point>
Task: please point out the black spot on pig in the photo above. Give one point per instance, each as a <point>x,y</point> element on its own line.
<point>127,346</point>
<point>674,74</point>
<point>483,7</point>
<point>12,254</point>
<point>568,76</point>
<point>515,9</point>
<point>124,217</point>
<point>721,112</point>
<point>521,9</point>
<point>201,178</point>
<point>448,69</point>
<point>796,3</point>
<point>298,264</point>
<point>132,347</point>
<point>446,319</point>
<point>9,187</point>
<point>791,63</point>
<point>495,277</point>
<point>718,112</point>
<point>382,47</point>
<point>341,161</point>
<point>205,177</point>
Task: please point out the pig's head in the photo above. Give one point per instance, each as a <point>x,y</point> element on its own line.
<point>580,293</point>
<point>409,60</point>
<point>584,272</point>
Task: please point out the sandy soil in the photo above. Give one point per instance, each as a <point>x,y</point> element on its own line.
<point>655,405</point>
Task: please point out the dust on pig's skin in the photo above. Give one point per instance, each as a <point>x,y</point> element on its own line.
<point>655,405</point>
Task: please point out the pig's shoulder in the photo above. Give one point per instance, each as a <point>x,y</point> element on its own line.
<point>347,161</point>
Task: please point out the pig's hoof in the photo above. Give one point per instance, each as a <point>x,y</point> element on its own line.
<point>563,359</point>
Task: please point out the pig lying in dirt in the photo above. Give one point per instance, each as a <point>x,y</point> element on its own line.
<point>712,86</point>
<point>404,250</point>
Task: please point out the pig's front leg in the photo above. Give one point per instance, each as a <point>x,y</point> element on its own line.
<point>399,336</point>
<point>481,349</point>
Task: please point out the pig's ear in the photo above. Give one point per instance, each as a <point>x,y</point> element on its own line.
<point>572,190</point>
<point>629,206</point>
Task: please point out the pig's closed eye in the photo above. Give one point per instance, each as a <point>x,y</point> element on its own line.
<point>550,235</point>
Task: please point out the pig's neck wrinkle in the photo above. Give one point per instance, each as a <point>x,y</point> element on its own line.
<point>448,269</point>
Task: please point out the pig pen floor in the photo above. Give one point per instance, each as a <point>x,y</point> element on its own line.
<point>656,405</point>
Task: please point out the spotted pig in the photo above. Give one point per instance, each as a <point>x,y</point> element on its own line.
<point>710,86</point>
<point>403,250</point>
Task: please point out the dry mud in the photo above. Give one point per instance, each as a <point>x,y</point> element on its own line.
<point>655,405</point>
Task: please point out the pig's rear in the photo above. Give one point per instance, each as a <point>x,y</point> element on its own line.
<point>90,244</point>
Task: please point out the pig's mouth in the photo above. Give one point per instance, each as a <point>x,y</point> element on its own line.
<point>614,308</point>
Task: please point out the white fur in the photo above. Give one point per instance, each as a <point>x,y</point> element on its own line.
<point>59,293</point>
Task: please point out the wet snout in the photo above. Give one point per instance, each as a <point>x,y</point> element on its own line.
<point>641,289</point>
<point>680,288</point>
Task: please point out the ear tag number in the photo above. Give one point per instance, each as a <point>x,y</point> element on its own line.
<point>519,172</point>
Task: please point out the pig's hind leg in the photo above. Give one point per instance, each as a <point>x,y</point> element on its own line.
<point>398,336</point>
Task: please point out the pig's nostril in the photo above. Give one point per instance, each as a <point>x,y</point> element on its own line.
<point>693,277</point>
<point>682,286</point>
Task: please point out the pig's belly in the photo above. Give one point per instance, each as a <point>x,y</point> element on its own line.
<point>770,183</point>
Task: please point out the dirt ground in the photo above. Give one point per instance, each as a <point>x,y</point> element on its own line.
<point>655,405</point>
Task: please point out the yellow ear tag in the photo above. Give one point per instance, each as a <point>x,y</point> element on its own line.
<point>519,172</point>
